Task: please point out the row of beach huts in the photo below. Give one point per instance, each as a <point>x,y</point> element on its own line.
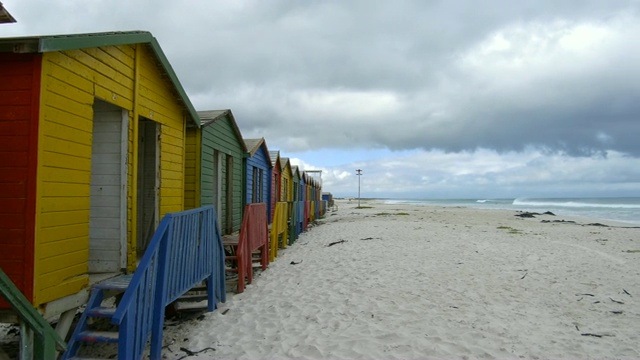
<point>106,167</point>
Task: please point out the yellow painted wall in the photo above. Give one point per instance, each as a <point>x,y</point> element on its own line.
<point>158,102</point>
<point>286,187</point>
<point>191,176</point>
<point>71,80</point>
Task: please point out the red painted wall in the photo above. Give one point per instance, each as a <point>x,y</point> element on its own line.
<point>19,106</point>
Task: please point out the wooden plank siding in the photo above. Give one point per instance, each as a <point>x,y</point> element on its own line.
<point>191,166</point>
<point>158,102</point>
<point>258,163</point>
<point>219,136</point>
<point>72,80</point>
<point>286,185</point>
<point>221,153</point>
<point>19,98</point>
<point>275,181</point>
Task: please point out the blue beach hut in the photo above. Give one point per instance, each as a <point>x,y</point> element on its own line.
<point>257,173</point>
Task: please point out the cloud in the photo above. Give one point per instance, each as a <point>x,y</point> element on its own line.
<point>428,97</point>
<point>487,173</point>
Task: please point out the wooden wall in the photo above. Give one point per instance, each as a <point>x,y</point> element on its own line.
<point>70,83</point>
<point>19,98</point>
<point>260,160</point>
<point>220,136</point>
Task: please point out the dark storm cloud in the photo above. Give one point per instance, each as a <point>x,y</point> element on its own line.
<point>452,75</point>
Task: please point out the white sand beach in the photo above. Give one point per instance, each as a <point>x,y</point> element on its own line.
<point>428,282</point>
<point>414,282</point>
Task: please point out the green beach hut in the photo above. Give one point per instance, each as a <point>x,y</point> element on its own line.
<point>214,168</point>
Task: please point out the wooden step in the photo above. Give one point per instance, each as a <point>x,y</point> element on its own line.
<point>101,312</point>
<point>91,336</point>
<point>115,283</point>
<point>193,297</point>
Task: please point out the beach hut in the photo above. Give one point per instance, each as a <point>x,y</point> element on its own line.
<point>257,172</point>
<point>293,206</point>
<point>214,168</point>
<point>275,181</point>
<point>286,184</point>
<point>92,132</point>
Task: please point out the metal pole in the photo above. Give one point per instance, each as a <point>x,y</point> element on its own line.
<point>359,173</point>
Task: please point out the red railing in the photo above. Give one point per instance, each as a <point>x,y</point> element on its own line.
<point>254,236</point>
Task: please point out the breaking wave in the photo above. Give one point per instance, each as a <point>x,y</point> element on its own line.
<point>609,203</point>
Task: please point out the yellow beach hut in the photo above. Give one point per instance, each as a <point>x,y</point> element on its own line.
<point>92,137</point>
<point>286,185</point>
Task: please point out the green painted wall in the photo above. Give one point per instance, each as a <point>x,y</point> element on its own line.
<point>220,137</point>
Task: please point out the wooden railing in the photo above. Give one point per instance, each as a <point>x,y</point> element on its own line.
<point>254,236</point>
<point>279,230</point>
<point>301,216</point>
<point>185,250</point>
<point>45,340</point>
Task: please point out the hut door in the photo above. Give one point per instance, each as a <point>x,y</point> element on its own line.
<point>148,183</point>
<point>108,200</point>
<point>229,194</point>
<point>217,185</point>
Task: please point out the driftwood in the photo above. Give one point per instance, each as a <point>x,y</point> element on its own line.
<point>336,242</point>
<point>626,292</point>
<point>595,335</point>
<point>616,301</point>
<point>191,353</point>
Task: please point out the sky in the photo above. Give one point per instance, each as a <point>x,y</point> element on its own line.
<point>429,98</point>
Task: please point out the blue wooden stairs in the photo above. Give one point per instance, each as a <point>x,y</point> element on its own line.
<point>185,251</point>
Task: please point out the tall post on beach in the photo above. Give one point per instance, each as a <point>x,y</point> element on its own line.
<point>359,173</point>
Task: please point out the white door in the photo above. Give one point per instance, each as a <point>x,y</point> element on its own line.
<point>107,215</point>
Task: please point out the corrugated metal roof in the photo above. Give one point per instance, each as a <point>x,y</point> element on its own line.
<point>210,116</point>
<point>274,155</point>
<point>283,162</point>
<point>5,17</point>
<point>253,145</point>
<point>50,43</point>
<point>295,171</point>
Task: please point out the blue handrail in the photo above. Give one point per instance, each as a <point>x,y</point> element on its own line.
<point>185,250</point>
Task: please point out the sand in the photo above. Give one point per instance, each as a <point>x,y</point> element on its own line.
<point>426,282</point>
<point>412,282</point>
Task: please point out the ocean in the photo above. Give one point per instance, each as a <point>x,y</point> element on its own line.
<point>620,209</point>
